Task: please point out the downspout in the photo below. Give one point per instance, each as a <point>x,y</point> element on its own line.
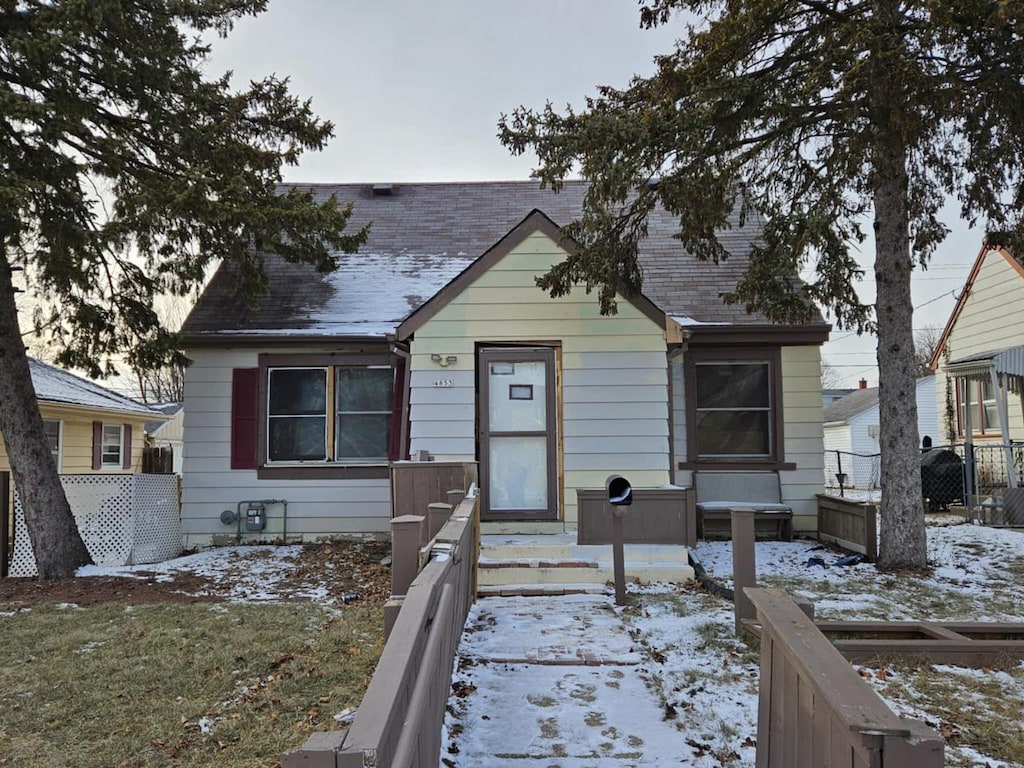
<point>403,439</point>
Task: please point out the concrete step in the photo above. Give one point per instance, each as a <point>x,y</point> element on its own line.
<point>563,547</point>
<point>524,563</point>
<point>541,590</point>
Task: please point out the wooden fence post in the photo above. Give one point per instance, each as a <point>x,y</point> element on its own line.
<point>744,564</point>
<point>407,534</point>
<point>437,515</point>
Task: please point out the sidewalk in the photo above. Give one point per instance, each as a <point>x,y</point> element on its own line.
<point>554,681</point>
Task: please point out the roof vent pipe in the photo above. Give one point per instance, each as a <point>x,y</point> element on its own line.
<point>863,383</point>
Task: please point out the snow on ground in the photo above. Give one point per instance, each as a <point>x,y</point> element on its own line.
<point>576,681</point>
<point>252,573</point>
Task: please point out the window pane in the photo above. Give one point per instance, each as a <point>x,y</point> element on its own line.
<point>297,439</point>
<point>295,391</point>
<point>52,429</point>
<point>733,433</point>
<point>732,385</point>
<point>362,436</point>
<point>111,445</point>
<point>365,389</point>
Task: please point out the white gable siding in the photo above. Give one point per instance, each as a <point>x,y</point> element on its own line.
<point>614,409</point>
<point>209,485</point>
<point>992,318</point>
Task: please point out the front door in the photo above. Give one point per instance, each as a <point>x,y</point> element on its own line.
<point>518,458</point>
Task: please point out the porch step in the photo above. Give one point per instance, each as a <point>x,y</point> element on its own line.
<point>555,564</point>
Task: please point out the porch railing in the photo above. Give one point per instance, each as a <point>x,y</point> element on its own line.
<point>813,708</point>
<point>398,724</point>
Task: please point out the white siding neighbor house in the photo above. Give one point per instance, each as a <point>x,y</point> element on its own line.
<point>979,361</point>
<point>852,429</point>
<point>979,365</point>
<point>435,341</point>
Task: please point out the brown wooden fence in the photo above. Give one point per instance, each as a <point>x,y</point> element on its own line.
<point>398,724</point>
<point>158,460</point>
<point>813,708</point>
<point>850,524</point>
<point>415,484</point>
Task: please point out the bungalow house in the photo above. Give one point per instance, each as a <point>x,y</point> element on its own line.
<point>979,367</point>
<point>852,428</point>
<point>435,340</point>
<point>90,428</point>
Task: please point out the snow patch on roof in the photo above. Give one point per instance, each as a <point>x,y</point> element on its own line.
<point>54,385</point>
<point>374,292</point>
<point>684,321</point>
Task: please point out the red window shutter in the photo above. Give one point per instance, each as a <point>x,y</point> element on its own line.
<point>244,417</point>
<point>97,444</point>
<point>126,448</point>
<point>397,401</point>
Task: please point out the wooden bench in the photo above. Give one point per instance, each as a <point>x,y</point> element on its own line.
<point>718,492</point>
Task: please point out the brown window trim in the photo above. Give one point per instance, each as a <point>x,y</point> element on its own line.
<point>770,355</point>
<point>320,470</point>
<point>739,466</point>
<point>323,472</point>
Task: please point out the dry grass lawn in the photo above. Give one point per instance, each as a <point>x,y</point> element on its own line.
<point>178,682</point>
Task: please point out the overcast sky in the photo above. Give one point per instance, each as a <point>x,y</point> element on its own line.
<point>415,90</point>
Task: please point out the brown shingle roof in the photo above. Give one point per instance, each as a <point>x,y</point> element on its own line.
<point>435,230</point>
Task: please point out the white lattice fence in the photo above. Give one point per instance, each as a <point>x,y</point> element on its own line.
<point>123,519</point>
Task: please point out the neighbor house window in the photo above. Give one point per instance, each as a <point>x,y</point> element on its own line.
<point>337,413</point>
<point>980,397</point>
<point>52,429</point>
<point>733,406</point>
<point>111,446</point>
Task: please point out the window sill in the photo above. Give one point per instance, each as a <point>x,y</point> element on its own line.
<point>323,472</point>
<point>735,465</point>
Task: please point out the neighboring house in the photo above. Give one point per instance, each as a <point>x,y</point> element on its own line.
<point>90,428</point>
<point>435,338</point>
<point>169,433</point>
<point>852,428</point>
<point>979,361</point>
<point>832,395</point>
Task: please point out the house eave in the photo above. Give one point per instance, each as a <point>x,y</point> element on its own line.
<point>783,335</point>
<point>250,339</point>
<point>103,411</point>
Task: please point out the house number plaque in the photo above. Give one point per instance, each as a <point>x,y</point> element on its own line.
<point>444,383</point>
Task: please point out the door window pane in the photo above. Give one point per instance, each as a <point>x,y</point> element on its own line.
<point>509,411</point>
<point>518,473</point>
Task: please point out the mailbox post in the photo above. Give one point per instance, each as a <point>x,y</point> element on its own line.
<point>620,496</point>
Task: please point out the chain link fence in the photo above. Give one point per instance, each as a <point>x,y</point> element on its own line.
<point>987,478</point>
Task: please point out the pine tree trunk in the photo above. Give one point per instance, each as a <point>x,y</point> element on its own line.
<point>903,542</point>
<point>58,547</point>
